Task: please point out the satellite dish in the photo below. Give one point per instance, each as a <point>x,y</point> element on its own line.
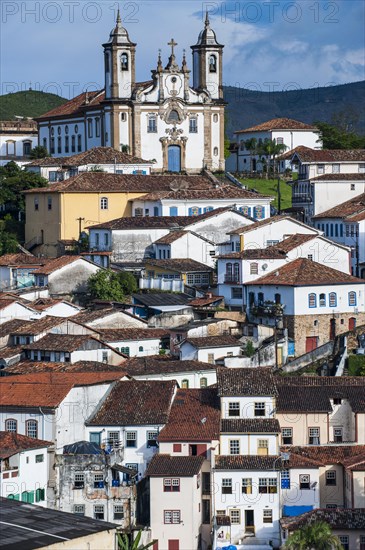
<point>264,267</point>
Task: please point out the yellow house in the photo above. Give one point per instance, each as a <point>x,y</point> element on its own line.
<point>190,272</point>
<point>57,214</point>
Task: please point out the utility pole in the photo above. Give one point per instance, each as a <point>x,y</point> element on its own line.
<point>80,220</point>
<point>279,196</point>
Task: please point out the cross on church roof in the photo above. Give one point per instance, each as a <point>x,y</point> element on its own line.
<point>172,43</point>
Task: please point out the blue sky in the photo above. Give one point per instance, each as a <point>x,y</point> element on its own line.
<point>269,44</point>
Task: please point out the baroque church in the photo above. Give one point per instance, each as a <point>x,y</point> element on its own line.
<point>165,120</point>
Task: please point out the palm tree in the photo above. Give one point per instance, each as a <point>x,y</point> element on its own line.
<point>251,146</point>
<point>125,543</point>
<point>270,150</point>
<point>317,536</point>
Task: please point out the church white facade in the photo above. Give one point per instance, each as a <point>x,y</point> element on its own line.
<point>178,126</point>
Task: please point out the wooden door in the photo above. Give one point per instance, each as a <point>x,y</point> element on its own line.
<point>173,544</point>
<point>311,343</point>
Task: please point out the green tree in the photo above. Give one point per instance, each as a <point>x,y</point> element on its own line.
<point>127,282</point>
<point>317,536</point>
<point>105,285</point>
<point>338,137</point>
<point>39,152</point>
<point>269,149</point>
<point>8,240</point>
<point>125,543</point>
<point>252,147</point>
<point>13,181</point>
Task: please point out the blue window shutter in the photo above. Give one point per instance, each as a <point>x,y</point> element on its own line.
<point>190,211</point>
<point>200,211</point>
<point>173,210</point>
<point>254,211</point>
<point>144,172</point>
<point>134,172</point>
<point>249,211</point>
<point>263,213</point>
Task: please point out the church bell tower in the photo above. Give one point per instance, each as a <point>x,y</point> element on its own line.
<point>207,62</point>
<point>119,63</point>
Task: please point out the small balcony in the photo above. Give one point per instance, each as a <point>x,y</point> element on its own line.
<point>267,309</point>
<point>301,198</point>
<point>232,278</point>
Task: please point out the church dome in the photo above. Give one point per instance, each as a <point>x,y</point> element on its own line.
<point>207,36</point>
<point>119,35</point>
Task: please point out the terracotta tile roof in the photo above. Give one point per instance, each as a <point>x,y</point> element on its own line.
<point>308,155</point>
<point>313,393</point>
<point>13,443</point>
<point>339,177</point>
<point>180,265</point>
<point>328,454</point>
<point>269,253</point>
<point>88,316</point>
<point>135,334</point>
<point>261,223</point>
<point>245,462</point>
<point>97,182</point>
<point>206,301</point>
<point>20,260</point>
<point>279,124</point>
<point>172,237</point>
<point>95,155</point>
<point>145,222</point>
<point>46,389</point>
<point>343,519</point>
<point>56,263</point>
<point>194,416</point>
<point>253,382</point>
<point>223,192</point>
<point>355,463</point>
<point>250,425</point>
<point>346,210</point>
<point>42,304</point>
<point>162,364</point>
<point>34,367</point>
<point>134,403</point>
<point>289,243</point>
<point>179,466</point>
<point>10,326</point>
<point>304,272</point>
<point>7,353</point>
<point>76,106</point>
<point>62,342</point>
<point>213,341</point>
<point>38,326</point>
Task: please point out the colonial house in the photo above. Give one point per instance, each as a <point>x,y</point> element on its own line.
<point>16,270</point>
<point>165,119</point>
<point>89,481</point>
<point>188,374</point>
<point>185,244</point>
<point>348,525</point>
<point>52,406</point>
<point>174,274</point>
<point>25,466</point>
<point>315,302</point>
<point>131,416</point>
<point>66,275</point>
<point>345,224</point>
<point>239,268</point>
<point>176,502</point>
<point>99,159</point>
<point>134,238</point>
<point>17,139</point>
<point>324,177</point>
<point>285,131</point>
<point>186,201</point>
<point>136,342</point>
<point>71,348</point>
<point>55,307</point>
<point>209,348</point>
<point>109,318</point>
<point>247,501</point>
<point>58,214</point>
<point>15,309</point>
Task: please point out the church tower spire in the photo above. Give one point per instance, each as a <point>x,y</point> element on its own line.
<point>207,62</point>
<point>119,63</point>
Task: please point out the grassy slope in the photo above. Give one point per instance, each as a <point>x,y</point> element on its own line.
<point>269,187</point>
<point>28,104</point>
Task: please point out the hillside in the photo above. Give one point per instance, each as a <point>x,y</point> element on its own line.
<point>28,104</point>
<point>245,107</point>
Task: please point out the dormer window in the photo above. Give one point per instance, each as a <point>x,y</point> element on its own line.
<point>124,62</point>
<point>212,64</point>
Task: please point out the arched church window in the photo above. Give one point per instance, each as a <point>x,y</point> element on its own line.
<point>212,64</point>
<point>52,131</point>
<point>123,117</point>
<point>215,118</point>
<point>124,62</point>
<point>66,129</point>
<point>173,116</point>
<point>215,151</point>
<point>193,125</point>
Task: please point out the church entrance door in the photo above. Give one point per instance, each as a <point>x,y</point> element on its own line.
<point>174,158</point>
